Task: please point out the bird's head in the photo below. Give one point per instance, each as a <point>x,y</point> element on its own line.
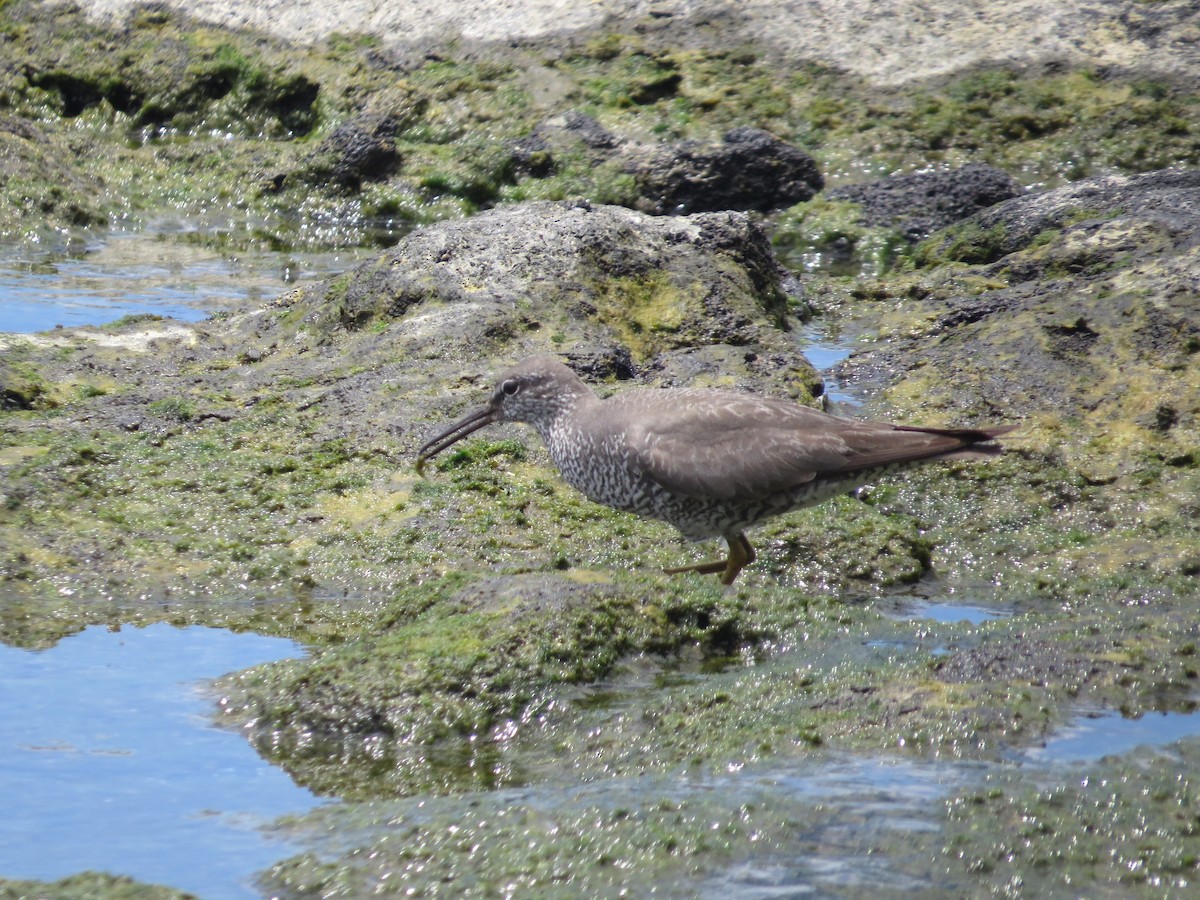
<point>535,391</point>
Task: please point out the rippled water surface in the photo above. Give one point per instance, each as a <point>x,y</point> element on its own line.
<point>109,761</point>
<point>145,273</point>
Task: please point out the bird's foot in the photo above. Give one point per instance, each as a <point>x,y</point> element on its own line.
<point>741,554</point>
<point>705,568</point>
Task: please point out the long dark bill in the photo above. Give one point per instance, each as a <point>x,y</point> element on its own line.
<point>456,432</point>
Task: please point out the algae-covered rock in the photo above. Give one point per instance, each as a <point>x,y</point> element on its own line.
<point>419,702</point>
<point>1075,309</point>
<point>1084,307</point>
<point>572,278</point>
<point>39,188</point>
<point>749,169</point>
<point>924,202</point>
<point>162,76</point>
<point>358,150</point>
<point>21,386</point>
<point>89,886</point>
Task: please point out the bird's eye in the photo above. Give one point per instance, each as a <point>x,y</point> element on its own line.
<point>510,387</point>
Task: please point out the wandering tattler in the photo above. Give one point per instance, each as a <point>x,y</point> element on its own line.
<point>710,462</point>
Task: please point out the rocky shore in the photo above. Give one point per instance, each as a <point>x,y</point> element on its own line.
<point>1000,228</point>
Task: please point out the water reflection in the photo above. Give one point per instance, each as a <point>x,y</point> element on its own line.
<point>109,762</point>
<point>146,273</point>
<point>825,351</point>
<point>1099,734</point>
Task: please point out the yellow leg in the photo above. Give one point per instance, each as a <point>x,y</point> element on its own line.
<point>741,554</point>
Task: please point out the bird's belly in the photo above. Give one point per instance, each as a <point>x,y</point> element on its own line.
<point>614,486</point>
<point>604,476</point>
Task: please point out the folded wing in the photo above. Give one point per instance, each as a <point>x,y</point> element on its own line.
<point>748,447</point>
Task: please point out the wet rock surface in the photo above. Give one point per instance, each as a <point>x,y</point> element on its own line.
<point>749,169</point>
<point>922,203</point>
<point>361,149</point>
<point>573,133</point>
<point>1069,260</point>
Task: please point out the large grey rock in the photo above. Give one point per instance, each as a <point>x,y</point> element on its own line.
<point>672,299</point>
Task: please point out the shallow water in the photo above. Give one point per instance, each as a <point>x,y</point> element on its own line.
<point>955,612</point>
<point>860,801</point>
<point>824,350</point>
<point>109,761</point>
<point>1098,734</point>
<point>152,272</point>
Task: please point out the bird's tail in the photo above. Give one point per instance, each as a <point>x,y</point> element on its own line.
<point>973,443</point>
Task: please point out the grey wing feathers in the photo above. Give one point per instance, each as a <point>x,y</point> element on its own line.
<point>740,446</point>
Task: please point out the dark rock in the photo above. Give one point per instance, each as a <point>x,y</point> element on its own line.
<point>1170,198</point>
<point>602,363</point>
<point>19,389</point>
<point>921,203</point>
<point>750,170</point>
<point>584,129</point>
<point>572,132</point>
<point>358,150</point>
<point>1088,305</point>
<point>533,156</point>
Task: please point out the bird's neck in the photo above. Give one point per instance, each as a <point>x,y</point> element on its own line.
<point>559,428</point>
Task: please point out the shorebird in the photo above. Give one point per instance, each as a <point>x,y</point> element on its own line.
<point>710,462</point>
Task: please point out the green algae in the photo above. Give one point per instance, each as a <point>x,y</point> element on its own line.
<point>668,837</point>
<point>647,313</point>
<point>456,659</point>
<point>89,886</point>
<point>158,104</point>
<point>826,236</point>
<point>1120,827</point>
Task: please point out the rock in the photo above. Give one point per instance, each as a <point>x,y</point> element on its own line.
<point>1169,198</point>
<point>577,129</point>
<point>616,292</point>
<point>886,41</point>
<point>360,149</point>
<point>573,132</point>
<point>20,388</point>
<point>596,273</point>
<point>40,187</point>
<point>1084,303</point>
<point>749,170</point>
<point>921,203</point>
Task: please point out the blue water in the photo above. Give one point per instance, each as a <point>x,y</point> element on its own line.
<point>42,298</point>
<point>1098,735</point>
<point>109,761</point>
<point>153,272</point>
<point>824,352</point>
<point>956,612</point>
